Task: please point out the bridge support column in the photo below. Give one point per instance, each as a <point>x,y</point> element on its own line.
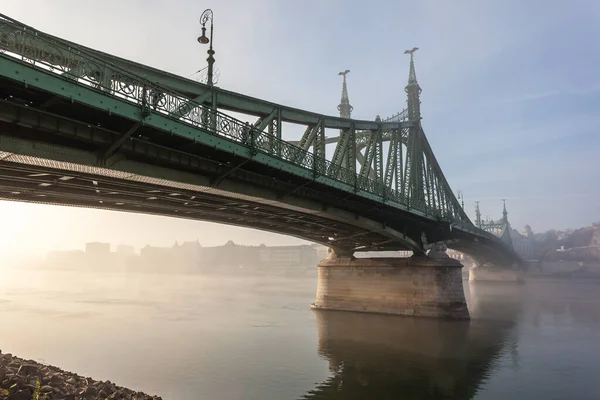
<point>424,286</point>
<point>491,273</point>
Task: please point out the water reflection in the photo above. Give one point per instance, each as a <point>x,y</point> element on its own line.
<point>384,357</point>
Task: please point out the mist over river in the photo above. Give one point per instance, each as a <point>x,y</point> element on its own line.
<point>255,337</point>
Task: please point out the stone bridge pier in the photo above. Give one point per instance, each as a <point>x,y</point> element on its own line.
<point>494,273</point>
<point>421,285</point>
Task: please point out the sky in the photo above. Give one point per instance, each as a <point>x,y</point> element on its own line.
<point>510,102</point>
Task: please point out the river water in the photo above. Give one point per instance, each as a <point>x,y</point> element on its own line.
<point>255,337</point>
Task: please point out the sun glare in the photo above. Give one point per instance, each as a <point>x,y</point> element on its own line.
<point>17,221</point>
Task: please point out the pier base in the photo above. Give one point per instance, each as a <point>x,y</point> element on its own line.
<point>423,286</point>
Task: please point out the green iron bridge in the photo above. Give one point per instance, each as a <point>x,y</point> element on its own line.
<point>80,127</point>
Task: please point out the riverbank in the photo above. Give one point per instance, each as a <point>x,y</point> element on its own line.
<point>26,379</point>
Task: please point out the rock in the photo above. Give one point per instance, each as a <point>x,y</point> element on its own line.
<point>28,369</point>
<point>91,391</point>
<point>20,395</point>
<point>24,377</point>
<point>46,389</point>
<point>59,392</point>
<point>30,387</point>
<point>33,380</point>
<point>55,379</point>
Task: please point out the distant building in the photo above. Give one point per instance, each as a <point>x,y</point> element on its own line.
<point>384,254</point>
<point>156,253</point>
<point>124,249</point>
<point>188,256</point>
<point>524,245</point>
<point>230,257</point>
<point>288,255</point>
<point>97,249</point>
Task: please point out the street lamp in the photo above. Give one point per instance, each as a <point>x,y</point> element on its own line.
<point>208,15</point>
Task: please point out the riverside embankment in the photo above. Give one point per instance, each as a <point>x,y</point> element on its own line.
<point>26,379</point>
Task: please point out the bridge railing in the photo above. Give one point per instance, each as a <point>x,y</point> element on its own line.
<point>76,65</point>
<point>398,117</point>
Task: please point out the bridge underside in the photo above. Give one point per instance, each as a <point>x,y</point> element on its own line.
<point>36,181</point>
<point>484,251</point>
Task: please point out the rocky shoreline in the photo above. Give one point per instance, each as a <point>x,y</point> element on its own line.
<point>26,379</point>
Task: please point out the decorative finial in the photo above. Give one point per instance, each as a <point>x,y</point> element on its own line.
<point>411,52</point>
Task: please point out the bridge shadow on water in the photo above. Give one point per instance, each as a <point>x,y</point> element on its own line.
<point>388,357</point>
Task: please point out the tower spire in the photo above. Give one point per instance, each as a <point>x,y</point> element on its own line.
<point>345,108</point>
<point>413,90</point>
<point>504,213</point>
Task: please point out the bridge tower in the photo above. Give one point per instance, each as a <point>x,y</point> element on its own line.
<point>413,90</point>
<point>345,155</point>
<point>413,174</point>
<point>422,285</point>
<point>345,108</point>
<point>495,273</point>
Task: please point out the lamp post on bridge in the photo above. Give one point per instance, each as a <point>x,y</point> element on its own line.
<point>461,197</point>
<point>208,15</point>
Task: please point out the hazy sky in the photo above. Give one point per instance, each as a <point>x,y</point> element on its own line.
<point>510,103</point>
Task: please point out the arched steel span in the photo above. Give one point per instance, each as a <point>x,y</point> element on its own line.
<point>65,97</point>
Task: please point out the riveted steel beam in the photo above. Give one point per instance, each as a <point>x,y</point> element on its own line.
<point>121,140</point>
